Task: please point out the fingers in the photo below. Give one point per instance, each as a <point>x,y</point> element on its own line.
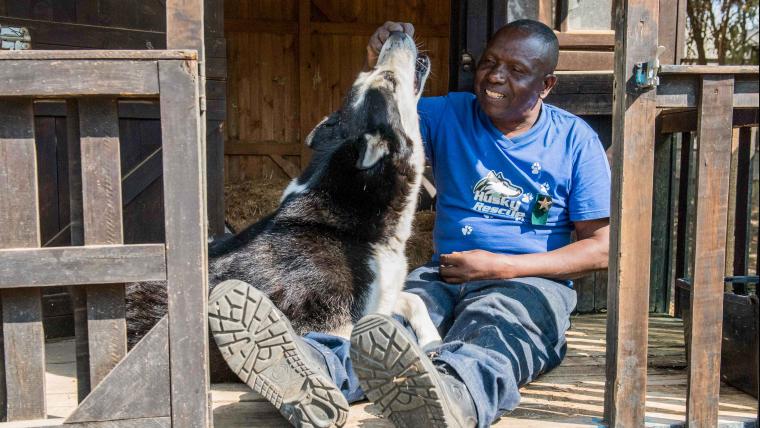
<point>381,35</point>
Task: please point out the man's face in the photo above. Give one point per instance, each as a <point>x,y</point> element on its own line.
<point>510,76</point>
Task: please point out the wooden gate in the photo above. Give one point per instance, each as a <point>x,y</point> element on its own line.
<point>164,379</point>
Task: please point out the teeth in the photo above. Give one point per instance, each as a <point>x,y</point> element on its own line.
<point>492,94</point>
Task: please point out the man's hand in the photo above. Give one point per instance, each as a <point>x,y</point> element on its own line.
<point>381,35</point>
<point>459,267</point>
<point>587,254</point>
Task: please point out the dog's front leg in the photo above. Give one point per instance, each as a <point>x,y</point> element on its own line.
<point>411,307</point>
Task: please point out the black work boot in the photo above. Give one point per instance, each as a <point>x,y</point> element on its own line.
<point>400,379</point>
<point>260,346</point>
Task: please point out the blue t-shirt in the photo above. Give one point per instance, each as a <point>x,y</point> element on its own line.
<point>488,185</point>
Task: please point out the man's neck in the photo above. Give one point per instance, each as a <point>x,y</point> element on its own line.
<point>513,128</point>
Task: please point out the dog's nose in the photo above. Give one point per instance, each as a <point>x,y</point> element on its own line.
<point>397,36</point>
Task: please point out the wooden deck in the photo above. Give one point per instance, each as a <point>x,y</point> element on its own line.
<point>570,396</point>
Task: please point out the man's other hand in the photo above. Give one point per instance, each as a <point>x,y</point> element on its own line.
<point>464,266</point>
<point>381,35</point>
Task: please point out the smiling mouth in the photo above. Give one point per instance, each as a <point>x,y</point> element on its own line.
<point>494,95</point>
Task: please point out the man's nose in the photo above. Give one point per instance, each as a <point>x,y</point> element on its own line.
<point>498,74</point>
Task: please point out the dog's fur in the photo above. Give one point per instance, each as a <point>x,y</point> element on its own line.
<point>334,249</point>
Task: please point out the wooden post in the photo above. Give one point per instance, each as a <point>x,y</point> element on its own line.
<point>102,220</point>
<point>682,216</point>
<point>743,207</point>
<point>713,163</point>
<point>186,248</point>
<point>661,221</point>
<point>78,294</point>
<point>185,30</point>
<point>633,136</point>
<point>23,339</point>
<point>305,70</point>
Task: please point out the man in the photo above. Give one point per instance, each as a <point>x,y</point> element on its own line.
<point>515,177</point>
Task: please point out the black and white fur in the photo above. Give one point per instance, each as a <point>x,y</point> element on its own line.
<point>334,250</point>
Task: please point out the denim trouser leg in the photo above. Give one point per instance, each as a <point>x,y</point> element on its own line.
<point>498,335</point>
<point>506,333</point>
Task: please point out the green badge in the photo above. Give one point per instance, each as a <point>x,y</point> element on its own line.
<point>541,209</point>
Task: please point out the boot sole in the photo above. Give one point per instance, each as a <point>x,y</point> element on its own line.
<point>396,375</point>
<point>258,343</point>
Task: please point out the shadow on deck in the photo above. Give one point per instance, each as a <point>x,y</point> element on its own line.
<point>570,396</point>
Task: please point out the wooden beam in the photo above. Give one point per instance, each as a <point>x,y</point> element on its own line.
<point>288,167</point>
<point>240,148</point>
<point>602,40</point>
<point>633,135</point>
<point>23,391</point>
<point>713,164</point>
<point>139,383</point>
<point>585,60</point>
<point>260,26</point>
<point>305,71</point>
<point>42,78</point>
<point>743,205</point>
<point>93,264</point>
<point>186,242</point>
<point>98,54</point>
<point>101,203</point>
<point>686,121</point>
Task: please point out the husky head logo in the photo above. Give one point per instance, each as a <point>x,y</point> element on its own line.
<point>494,185</point>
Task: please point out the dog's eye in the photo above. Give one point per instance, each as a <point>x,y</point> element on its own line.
<point>388,76</point>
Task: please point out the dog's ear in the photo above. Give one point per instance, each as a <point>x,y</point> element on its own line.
<point>325,130</point>
<point>371,151</point>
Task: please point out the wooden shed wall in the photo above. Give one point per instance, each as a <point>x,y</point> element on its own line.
<point>291,62</point>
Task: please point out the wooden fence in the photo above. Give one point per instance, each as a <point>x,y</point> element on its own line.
<point>92,81</point>
<point>713,96</point>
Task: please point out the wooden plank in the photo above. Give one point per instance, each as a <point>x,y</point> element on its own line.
<point>305,72</point>
<point>95,264</point>
<point>239,148</point>
<point>141,176</point>
<point>76,230</point>
<point>661,221</point>
<point>585,60</point>
<point>714,157</point>
<point>40,78</point>
<point>679,90</point>
<point>139,383</point>
<point>102,216</point>
<point>681,216</point>
<point>686,121</point>
<point>731,204</point>
<point>260,26</point>
<point>215,171</point>
<point>290,170</point>
<point>743,203</point>
<point>23,392</point>
<point>601,40</point>
<point>99,54</point>
<point>186,257</point>
<point>631,217</point>
<point>546,13</point>
<point>61,35</point>
<point>709,69</point>
<point>667,36</point>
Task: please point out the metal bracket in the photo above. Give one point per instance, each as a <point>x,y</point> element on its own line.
<point>15,38</point>
<point>645,73</point>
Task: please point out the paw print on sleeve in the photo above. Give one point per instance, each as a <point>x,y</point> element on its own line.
<point>466,230</point>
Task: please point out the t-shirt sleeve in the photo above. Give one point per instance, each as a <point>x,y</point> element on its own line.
<point>430,110</point>
<point>590,190</point>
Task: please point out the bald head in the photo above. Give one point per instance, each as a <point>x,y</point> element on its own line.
<point>527,28</point>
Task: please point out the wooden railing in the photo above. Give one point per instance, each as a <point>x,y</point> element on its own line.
<point>92,81</point>
<point>713,96</point>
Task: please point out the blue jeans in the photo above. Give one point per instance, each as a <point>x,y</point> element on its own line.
<point>497,336</point>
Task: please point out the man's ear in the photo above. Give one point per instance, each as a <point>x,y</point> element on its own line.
<point>372,151</point>
<point>549,81</point>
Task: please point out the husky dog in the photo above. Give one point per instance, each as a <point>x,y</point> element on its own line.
<point>334,250</point>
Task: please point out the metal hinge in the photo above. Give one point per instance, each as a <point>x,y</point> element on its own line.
<point>15,38</point>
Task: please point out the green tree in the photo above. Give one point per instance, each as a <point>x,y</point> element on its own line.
<point>723,30</point>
